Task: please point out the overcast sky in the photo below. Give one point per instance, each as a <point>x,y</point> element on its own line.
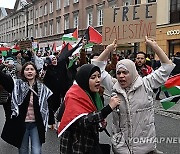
<point>7,3</point>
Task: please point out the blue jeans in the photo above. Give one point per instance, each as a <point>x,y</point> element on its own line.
<point>32,134</point>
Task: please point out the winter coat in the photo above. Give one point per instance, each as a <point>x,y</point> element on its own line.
<point>133,123</point>
<point>14,128</point>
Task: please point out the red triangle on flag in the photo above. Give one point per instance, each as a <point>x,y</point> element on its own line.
<point>75,34</point>
<point>66,47</point>
<point>16,47</point>
<point>92,35</point>
<point>173,81</point>
<point>54,47</point>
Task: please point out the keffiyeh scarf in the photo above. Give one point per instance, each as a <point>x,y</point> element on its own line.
<point>21,90</point>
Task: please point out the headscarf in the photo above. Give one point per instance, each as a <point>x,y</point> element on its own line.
<point>83,75</point>
<point>129,65</point>
<point>51,57</point>
<point>82,79</point>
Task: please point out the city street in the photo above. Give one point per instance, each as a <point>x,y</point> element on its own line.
<point>166,127</point>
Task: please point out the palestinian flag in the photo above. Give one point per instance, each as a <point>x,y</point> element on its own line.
<point>77,104</point>
<point>72,61</point>
<point>70,34</point>
<point>4,48</point>
<point>16,47</point>
<point>54,47</point>
<point>172,86</point>
<point>89,45</point>
<point>66,47</point>
<point>68,50</point>
<point>93,36</point>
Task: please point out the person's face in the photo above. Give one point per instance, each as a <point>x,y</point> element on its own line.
<point>29,72</point>
<point>123,78</point>
<point>94,82</point>
<point>19,55</point>
<point>39,54</point>
<point>54,61</point>
<point>140,59</point>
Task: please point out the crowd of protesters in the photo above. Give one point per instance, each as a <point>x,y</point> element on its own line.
<point>43,82</point>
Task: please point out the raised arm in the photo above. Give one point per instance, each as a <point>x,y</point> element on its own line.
<point>160,53</point>
<point>6,81</point>
<point>104,55</point>
<point>159,76</point>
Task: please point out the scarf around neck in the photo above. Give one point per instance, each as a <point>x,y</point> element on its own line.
<point>21,90</point>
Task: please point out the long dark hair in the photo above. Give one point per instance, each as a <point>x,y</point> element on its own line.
<point>23,68</point>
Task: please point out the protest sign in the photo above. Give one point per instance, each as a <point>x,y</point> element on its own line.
<point>129,24</point>
<point>25,44</point>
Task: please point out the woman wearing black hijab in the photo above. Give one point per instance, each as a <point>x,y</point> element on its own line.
<point>78,130</point>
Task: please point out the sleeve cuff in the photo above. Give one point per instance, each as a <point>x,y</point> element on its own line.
<point>106,111</point>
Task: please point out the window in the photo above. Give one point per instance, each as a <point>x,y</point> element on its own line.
<point>36,32</point>
<point>137,2</point>
<point>14,21</point>
<point>31,32</point>
<point>31,14</point>
<point>66,3</point>
<point>150,1</point>
<point>112,4</point>
<point>45,30</point>
<point>175,11</point>
<point>100,16</point>
<point>10,22</point>
<point>51,7</point>
<point>40,11</point>
<point>58,26</point>
<point>51,28</point>
<point>76,20</point>
<point>36,13</point>
<point>58,4</point>
<point>40,31</point>
<point>66,22</point>
<point>89,18</point>
<point>76,1</point>
<point>45,9</point>
<point>127,3</point>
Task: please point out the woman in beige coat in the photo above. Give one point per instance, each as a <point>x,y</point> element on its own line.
<point>133,121</point>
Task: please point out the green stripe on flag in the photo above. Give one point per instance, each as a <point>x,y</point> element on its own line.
<point>173,91</point>
<point>167,105</point>
<point>71,62</point>
<point>4,53</point>
<point>89,45</point>
<point>14,50</point>
<point>168,102</point>
<point>69,39</point>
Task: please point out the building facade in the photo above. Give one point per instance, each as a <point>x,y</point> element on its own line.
<point>46,20</point>
<point>168,27</point>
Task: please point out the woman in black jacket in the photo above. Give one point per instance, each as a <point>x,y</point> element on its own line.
<point>57,79</point>
<point>29,110</point>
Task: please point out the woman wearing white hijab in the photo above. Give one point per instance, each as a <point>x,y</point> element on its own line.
<point>133,122</point>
